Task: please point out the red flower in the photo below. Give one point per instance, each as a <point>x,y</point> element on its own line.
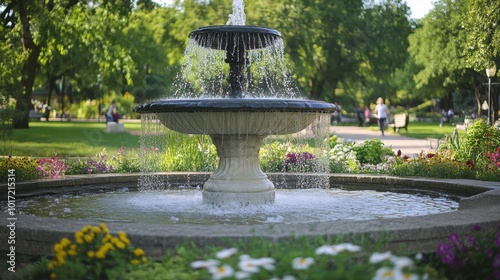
<point>470,164</point>
<point>399,153</point>
<point>430,155</point>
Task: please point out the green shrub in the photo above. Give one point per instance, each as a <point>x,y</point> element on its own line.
<point>372,151</point>
<point>125,162</point>
<point>272,156</point>
<point>189,153</point>
<point>343,158</point>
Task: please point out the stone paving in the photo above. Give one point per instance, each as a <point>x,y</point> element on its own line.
<point>408,146</point>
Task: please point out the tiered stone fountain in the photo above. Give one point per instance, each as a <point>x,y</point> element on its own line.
<point>237,125</point>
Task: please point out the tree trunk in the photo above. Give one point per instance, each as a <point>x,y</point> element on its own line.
<point>21,119</point>
<point>477,94</point>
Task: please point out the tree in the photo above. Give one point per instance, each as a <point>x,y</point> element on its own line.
<point>321,40</point>
<point>437,46</point>
<point>481,21</point>
<point>386,27</point>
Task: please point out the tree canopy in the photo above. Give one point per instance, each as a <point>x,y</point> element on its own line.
<point>352,51</point>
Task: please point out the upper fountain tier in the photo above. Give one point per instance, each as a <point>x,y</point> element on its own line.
<point>236,41</point>
<point>235,37</point>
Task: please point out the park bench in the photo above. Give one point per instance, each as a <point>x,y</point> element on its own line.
<point>35,115</point>
<point>114,127</point>
<point>400,121</point>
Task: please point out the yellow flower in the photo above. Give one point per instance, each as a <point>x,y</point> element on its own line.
<point>78,234</point>
<point>138,252</point>
<point>58,247</point>
<point>123,237</point>
<point>104,228</point>
<point>79,240</point>
<point>52,275</point>
<point>100,255</point>
<point>89,238</point>
<point>65,242</point>
<point>96,230</point>
<point>91,254</point>
<point>144,259</point>
<point>134,261</point>
<point>60,259</point>
<point>114,240</point>
<point>87,229</point>
<point>120,245</point>
<point>72,252</point>
<point>107,238</point>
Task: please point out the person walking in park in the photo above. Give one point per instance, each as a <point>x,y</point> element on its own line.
<point>368,115</point>
<point>381,111</point>
<point>359,115</point>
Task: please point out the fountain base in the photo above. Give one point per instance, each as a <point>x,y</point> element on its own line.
<point>238,178</point>
<point>239,199</point>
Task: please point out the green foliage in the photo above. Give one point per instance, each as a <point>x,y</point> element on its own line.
<point>189,153</point>
<point>272,156</point>
<point>479,141</point>
<point>20,168</point>
<point>125,161</point>
<point>483,41</point>
<point>372,151</point>
<point>95,254</point>
<point>433,165</point>
<point>257,258</point>
<point>343,158</point>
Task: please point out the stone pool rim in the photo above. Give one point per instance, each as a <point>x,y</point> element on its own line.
<point>35,236</point>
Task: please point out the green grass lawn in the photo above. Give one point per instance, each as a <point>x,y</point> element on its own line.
<point>69,139</point>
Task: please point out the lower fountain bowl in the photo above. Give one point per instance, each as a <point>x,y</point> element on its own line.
<point>36,236</point>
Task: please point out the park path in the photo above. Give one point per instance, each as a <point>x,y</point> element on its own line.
<point>408,146</point>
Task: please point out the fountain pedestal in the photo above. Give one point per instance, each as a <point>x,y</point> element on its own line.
<point>238,178</point>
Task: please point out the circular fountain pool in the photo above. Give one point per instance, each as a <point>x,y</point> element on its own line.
<point>185,206</point>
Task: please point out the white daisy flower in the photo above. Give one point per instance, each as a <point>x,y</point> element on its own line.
<point>302,263</point>
<point>220,272</point>
<point>380,257</point>
<point>266,263</point>
<point>226,253</point>
<point>384,273</point>
<point>248,265</point>
<point>204,264</point>
<point>401,262</point>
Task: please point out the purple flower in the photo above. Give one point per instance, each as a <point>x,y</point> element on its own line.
<point>496,261</point>
<point>489,252</point>
<point>496,274</point>
<point>497,239</point>
<point>476,227</point>
<point>455,240</point>
<point>471,240</point>
<point>445,253</point>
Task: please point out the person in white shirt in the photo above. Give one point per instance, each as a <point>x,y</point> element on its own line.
<point>381,111</point>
